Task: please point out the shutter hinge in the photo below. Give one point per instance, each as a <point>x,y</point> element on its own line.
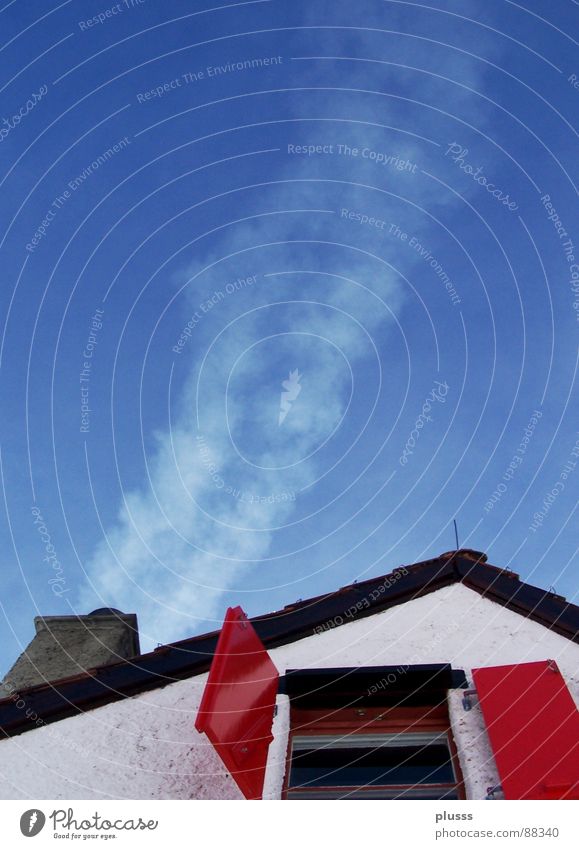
<point>491,792</point>
<point>466,699</point>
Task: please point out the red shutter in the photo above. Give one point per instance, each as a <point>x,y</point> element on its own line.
<point>533,725</point>
<point>237,707</point>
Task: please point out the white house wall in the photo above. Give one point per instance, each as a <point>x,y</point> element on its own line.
<point>453,625</point>
<point>140,748</point>
<point>147,746</point>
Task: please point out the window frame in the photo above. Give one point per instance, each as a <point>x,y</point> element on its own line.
<point>374,720</point>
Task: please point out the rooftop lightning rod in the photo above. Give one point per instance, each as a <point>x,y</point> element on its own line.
<point>455,534</point>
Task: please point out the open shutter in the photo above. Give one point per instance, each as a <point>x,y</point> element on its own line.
<point>533,725</point>
<point>238,703</point>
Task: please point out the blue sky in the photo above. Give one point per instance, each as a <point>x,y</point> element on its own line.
<point>374,203</point>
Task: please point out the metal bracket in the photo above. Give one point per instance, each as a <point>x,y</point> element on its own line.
<point>491,792</point>
<point>466,699</point>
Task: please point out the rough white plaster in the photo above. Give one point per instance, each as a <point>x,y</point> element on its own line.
<point>276,758</point>
<point>147,746</point>
<point>453,625</point>
<point>473,746</point>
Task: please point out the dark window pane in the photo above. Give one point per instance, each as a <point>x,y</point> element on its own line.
<point>391,761</point>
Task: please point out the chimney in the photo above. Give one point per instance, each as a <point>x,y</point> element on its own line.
<point>69,645</point>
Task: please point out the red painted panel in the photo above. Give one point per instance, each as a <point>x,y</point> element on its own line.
<point>237,707</point>
<point>533,725</point>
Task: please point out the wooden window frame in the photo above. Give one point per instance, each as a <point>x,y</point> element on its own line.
<point>375,720</point>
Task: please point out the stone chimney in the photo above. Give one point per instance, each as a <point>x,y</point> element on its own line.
<point>69,645</point>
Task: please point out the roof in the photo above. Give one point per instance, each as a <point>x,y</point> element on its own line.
<point>69,696</point>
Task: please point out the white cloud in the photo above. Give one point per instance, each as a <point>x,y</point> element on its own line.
<point>182,539</point>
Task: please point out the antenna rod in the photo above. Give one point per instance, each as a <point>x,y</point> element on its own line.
<point>456,534</point>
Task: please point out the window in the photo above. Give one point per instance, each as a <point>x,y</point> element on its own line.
<point>411,764</point>
<point>347,742</point>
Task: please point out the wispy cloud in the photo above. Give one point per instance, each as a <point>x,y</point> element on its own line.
<point>227,474</point>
